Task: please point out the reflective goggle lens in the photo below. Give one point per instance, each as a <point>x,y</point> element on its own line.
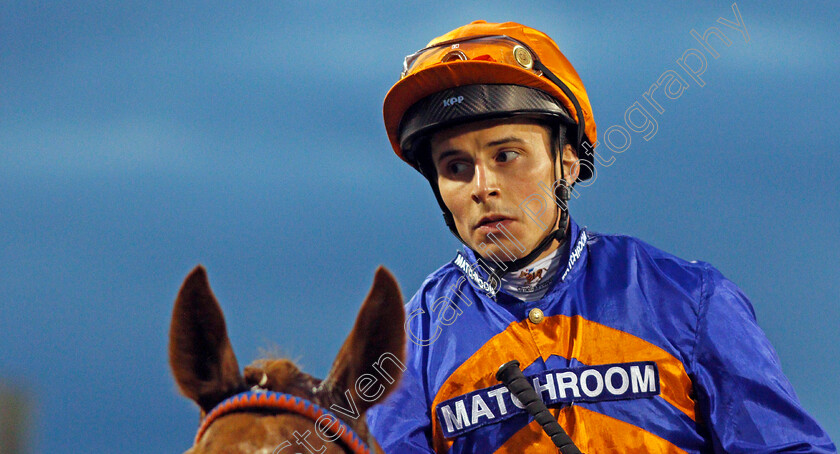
<point>499,48</point>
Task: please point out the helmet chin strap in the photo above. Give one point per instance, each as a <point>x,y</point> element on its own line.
<point>499,269</point>
<point>562,193</point>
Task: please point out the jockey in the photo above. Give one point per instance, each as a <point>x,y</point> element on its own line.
<point>633,350</point>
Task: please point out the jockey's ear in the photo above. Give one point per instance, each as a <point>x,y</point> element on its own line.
<point>200,353</point>
<point>371,361</point>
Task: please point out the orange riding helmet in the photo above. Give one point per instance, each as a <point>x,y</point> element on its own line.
<point>513,69</point>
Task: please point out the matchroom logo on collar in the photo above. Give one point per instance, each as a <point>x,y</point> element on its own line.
<point>491,287</point>
<point>470,411</point>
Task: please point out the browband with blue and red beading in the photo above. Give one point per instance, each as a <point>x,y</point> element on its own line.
<point>272,400</point>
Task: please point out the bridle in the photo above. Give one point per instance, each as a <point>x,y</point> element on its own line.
<point>282,402</point>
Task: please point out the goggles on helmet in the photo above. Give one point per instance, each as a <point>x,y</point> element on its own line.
<point>495,48</point>
<point>491,55</point>
<point>480,101</point>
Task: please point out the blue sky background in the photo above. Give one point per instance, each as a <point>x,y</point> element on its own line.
<point>138,139</point>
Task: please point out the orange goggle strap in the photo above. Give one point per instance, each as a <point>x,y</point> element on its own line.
<point>282,402</point>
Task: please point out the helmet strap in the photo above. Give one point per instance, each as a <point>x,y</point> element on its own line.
<point>581,121</point>
<point>561,194</point>
<point>427,169</point>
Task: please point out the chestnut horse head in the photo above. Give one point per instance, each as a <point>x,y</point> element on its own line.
<point>273,407</point>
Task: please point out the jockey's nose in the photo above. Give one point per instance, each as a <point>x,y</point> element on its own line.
<point>485,182</point>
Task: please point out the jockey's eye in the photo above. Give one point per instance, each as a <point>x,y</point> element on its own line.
<point>506,156</point>
<point>456,167</point>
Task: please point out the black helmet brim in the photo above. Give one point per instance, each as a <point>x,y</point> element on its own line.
<point>471,103</point>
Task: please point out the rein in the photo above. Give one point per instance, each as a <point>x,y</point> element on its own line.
<point>282,402</point>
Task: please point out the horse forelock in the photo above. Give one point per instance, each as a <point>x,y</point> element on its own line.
<point>281,375</point>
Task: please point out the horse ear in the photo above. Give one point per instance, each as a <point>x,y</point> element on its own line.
<point>371,361</point>
<point>200,353</point>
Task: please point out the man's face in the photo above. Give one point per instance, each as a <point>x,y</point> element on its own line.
<point>486,170</point>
